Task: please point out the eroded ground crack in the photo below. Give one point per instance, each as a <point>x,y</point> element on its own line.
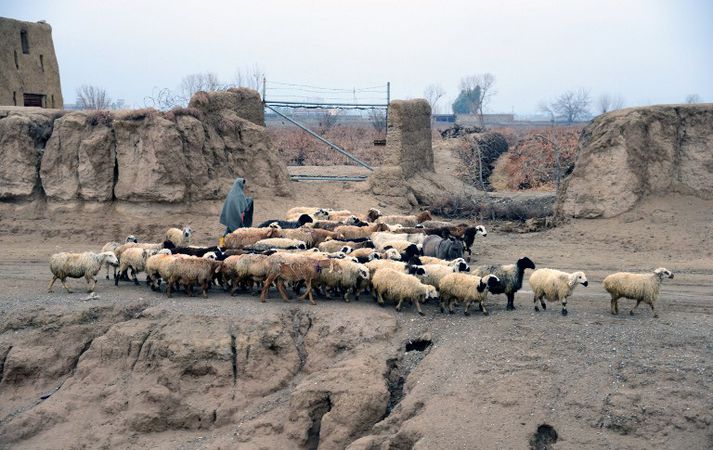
<point>301,324</point>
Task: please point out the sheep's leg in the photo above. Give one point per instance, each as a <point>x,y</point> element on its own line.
<point>116,279</point>
<point>65,286</point>
<point>136,278</point>
<point>398,305</point>
<point>205,288</point>
<point>653,310</point>
<point>106,266</point>
<point>168,289</point>
<point>283,291</point>
<point>380,299</point>
<point>544,305</point>
<point>614,305</point>
<point>418,307</point>
<point>309,292</point>
<point>265,288</point>
<point>482,309</point>
<point>93,282</point>
<point>49,288</point>
<point>346,295</point>
<point>442,303</point>
<point>635,306</point>
<point>511,301</point>
<point>450,306</point>
<point>564,307</point>
<point>466,306</point>
<point>534,300</point>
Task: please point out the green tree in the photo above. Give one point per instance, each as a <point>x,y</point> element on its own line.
<point>468,101</point>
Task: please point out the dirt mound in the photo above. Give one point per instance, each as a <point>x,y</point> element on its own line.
<point>185,155</point>
<point>627,155</point>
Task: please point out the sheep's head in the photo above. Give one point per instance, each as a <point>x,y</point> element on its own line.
<point>164,251</point>
<point>662,273</point>
<point>305,218</point>
<point>460,265</point>
<point>111,258</point>
<point>322,214</point>
<point>525,263</point>
<point>481,230</point>
<point>352,220</point>
<point>187,232</point>
<point>132,238</point>
<point>373,214</point>
<point>489,281</point>
<point>275,226</point>
<point>579,277</point>
<point>210,255</point>
<point>346,249</point>
<point>363,273</point>
<point>392,253</point>
<point>431,292</point>
<point>302,246</point>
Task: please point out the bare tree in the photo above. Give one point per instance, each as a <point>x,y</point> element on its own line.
<point>92,97</point>
<point>250,77</point>
<point>433,93</point>
<point>377,117</point>
<point>607,102</point>
<point>327,119</point>
<point>570,106</point>
<point>206,81</point>
<point>693,98</point>
<point>484,83</point>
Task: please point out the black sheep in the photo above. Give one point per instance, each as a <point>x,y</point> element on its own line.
<point>303,219</point>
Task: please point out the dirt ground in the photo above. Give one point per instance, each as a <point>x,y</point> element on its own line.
<point>133,368</point>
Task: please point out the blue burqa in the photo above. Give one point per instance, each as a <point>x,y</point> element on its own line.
<point>238,209</point>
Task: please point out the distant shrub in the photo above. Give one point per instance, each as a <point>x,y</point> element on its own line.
<point>100,117</point>
<point>137,114</point>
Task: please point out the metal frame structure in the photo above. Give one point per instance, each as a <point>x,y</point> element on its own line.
<point>273,106</point>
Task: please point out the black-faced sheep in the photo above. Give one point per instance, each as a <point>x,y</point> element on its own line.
<point>179,237</point>
<point>301,220</point>
<point>317,213</point>
<point>466,289</point>
<point>398,286</point>
<point>555,285</point>
<point>510,276</point>
<point>194,251</point>
<point>642,287</point>
<point>78,265</point>
<point>458,263</point>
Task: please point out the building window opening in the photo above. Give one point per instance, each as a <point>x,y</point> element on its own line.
<point>25,42</point>
<point>17,63</point>
<point>14,98</point>
<point>34,100</point>
<point>42,62</point>
<point>52,100</point>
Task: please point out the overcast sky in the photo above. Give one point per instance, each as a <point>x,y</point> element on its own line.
<point>648,51</point>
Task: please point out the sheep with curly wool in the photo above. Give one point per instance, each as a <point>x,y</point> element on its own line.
<point>391,254</point>
<point>317,213</point>
<point>154,265</point>
<point>510,276</point>
<point>189,271</point>
<point>244,271</point>
<point>112,246</point>
<point>330,246</point>
<point>382,238</point>
<point>555,285</point>
<point>434,273</point>
<point>77,265</point>
<point>398,286</point>
<point>181,237</point>
<point>642,287</point>
<point>405,220</point>
<point>466,289</point>
<point>365,254</point>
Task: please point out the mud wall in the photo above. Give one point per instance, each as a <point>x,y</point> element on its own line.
<point>627,155</point>
<point>183,155</point>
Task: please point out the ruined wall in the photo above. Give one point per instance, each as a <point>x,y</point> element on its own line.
<point>626,155</point>
<point>184,155</point>
<point>32,70</point>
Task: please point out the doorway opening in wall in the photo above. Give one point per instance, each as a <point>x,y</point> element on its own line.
<point>34,100</point>
<point>14,98</point>
<point>24,42</point>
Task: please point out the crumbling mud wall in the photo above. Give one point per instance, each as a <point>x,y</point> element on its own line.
<point>183,155</point>
<point>408,178</point>
<point>627,155</point>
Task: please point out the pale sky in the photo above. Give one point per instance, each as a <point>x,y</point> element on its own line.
<point>649,52</point>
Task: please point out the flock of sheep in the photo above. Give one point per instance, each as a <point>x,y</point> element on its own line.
<point>396,258</point>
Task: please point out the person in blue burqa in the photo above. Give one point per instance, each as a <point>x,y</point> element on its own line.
<point>238,209</point>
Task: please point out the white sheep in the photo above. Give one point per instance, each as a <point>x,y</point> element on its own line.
<point>382,239</point>
<point>180,237</point>
<point>349,276</point>
<point>278,243</point>
<point>466,289</point>
<point>458,263</point>
<point>391,253</point>
<point>187,271</point>
<point>406,220</point>
<point>243,237</point>
<point>78,265</point>
<point>642,287</point>
<point>398,286</point>
<point>111,246</point>
<point>555,285</point>
<point>135,259</point>
<point>434,273</point>
<point>330,246</point>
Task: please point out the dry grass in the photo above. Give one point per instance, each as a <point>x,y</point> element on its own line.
<point>297,148</point>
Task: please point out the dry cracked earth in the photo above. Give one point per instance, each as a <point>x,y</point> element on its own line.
<point>132,368</point>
